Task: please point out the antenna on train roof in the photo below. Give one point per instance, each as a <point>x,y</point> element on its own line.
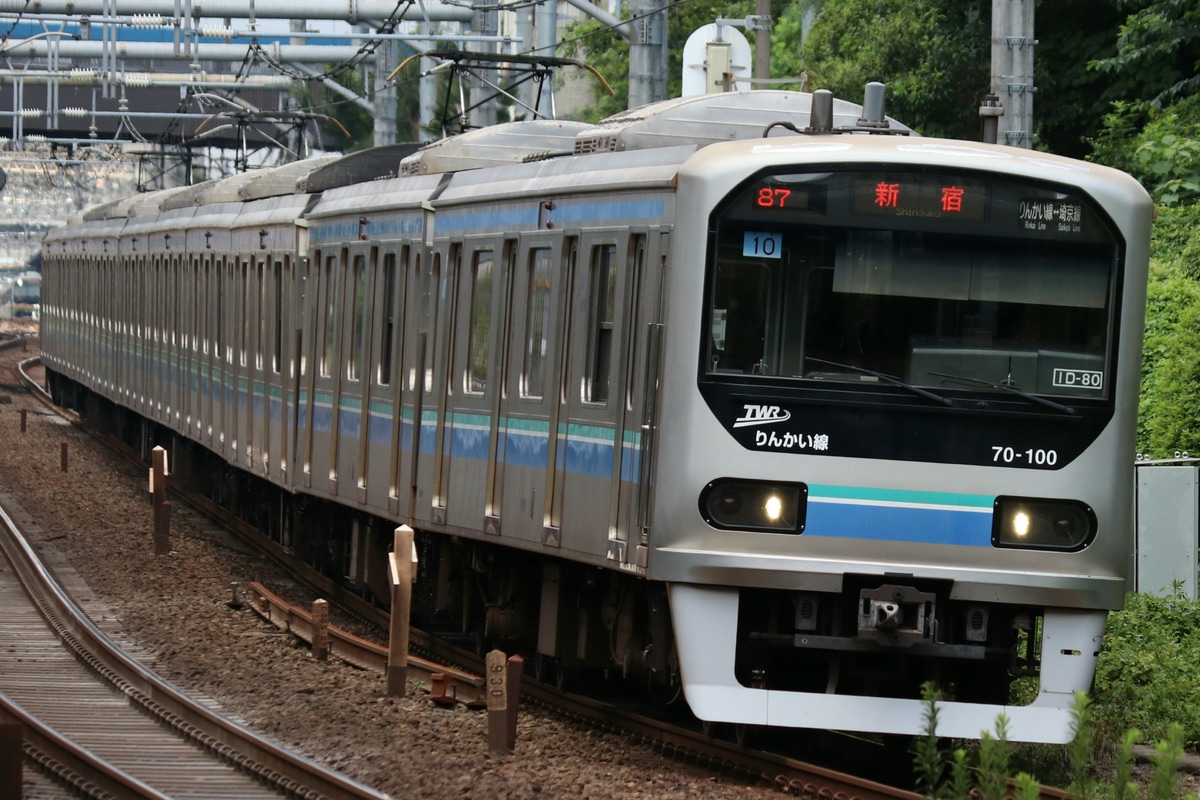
<point>873,107</point>
<point>820,116</point>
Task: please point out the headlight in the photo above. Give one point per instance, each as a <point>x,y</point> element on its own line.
<point>1042,524</point>
<point>754,505</point>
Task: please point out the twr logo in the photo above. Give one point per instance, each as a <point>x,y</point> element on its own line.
<point>753,414</point>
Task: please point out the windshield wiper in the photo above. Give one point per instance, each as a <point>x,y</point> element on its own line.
<point>883,376</point>
<point>1004,387</point>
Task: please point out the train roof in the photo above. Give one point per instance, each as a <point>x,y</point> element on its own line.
<point>507,143</point>
<point>710,118</point>
<point>263,183</point>
<point>696,121</point>
<point>374,164</point>
<point>98,211</point>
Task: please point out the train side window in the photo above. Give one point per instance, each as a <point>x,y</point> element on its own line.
<point>637,246</point>
<point>383,369</point>
<point>329,318</point>
<point>357,317</point>
<point>244,312</point>
<point>601,305</point>
<point>204,278</point>
<point>218,290</point>
<point>479,334</point>
<point>260,291</point>
<point>414,313</point>
<point>277,343</point>
<point>537,324</point>
<point>429,325</point>
<point>194,323</point>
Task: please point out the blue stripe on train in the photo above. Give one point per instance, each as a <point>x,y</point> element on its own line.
<point>970,527</point>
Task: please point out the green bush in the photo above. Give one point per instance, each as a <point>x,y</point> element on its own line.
<point>1146,674</point>
<point>1169,405</point>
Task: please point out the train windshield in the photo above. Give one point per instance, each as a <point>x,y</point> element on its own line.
<point>936,279</point>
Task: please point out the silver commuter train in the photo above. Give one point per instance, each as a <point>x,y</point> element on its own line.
<point>797,422</point>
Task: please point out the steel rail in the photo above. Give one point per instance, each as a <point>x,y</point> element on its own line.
<point>73,765</point>
<point>289,772</point>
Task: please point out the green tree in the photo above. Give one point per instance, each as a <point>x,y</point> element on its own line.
<point>1161,148</point>
<point>1158,51</point>
<point>1072,100</point>
<point>608,53</point>
<point>932,54</point>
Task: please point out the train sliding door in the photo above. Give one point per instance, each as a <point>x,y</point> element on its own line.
<point>474,383</point>
<point>593,442</point>
<point>378,458</point>
<point>351,388</point>
<point>540,281</point>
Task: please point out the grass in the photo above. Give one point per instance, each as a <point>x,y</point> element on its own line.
<point>987,774</point>
<point>1147,689</point>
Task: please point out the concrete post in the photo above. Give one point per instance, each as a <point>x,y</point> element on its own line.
<point>403,569</point>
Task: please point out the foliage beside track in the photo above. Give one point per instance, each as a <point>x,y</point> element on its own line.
<point>992,770</point>
<point>1169,406</point>
<point>1146,674</point>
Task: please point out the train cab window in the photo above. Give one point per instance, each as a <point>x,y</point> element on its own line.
<point>739,323</point>
<point>537,324</point>
<point>478,336</point>
<point>937,279</point>
<point>358,314</point>
<point>601,304</point>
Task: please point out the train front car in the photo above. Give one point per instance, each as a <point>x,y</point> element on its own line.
<point>897,430</point>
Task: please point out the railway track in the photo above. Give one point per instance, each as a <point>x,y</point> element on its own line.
<point>106,727</point>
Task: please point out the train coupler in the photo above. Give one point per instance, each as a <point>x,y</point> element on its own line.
<point>897,615</point>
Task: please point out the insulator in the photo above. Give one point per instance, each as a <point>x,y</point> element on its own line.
<point>31,113</point>
<point>72,111</point>
<point>216,33</point>
<point>81,75</point>
<point>146,21</point>
<point>35,137</point>
<point>137,80</point>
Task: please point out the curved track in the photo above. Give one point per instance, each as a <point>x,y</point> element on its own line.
<point>108,727</point>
